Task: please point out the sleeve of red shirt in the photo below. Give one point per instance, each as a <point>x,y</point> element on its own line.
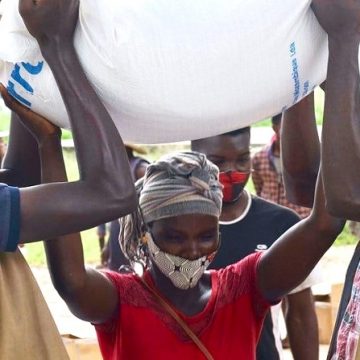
<point>122,283</point>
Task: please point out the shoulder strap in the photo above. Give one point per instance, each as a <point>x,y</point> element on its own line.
<point>178,319</point>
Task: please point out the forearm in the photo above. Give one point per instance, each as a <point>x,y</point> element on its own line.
<point>302,327</point>
<point>64,269</point>
<point>80,288</point>
<point>94,199</point>
<point>290,260</point>
<point>341,130</point>
<point>91,124</point>
<point>300,149</point>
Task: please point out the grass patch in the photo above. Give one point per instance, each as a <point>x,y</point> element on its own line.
<point>346,237</point>
<point>35,253</point>
<point>4,121</point>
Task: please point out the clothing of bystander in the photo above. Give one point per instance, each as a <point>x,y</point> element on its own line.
<point>249,224</point>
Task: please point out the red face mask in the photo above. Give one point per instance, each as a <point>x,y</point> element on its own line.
<point>233,183</point>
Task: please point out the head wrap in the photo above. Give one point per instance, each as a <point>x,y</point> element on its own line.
<point>177,184</point>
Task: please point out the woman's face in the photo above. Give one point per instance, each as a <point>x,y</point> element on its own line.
<point>188,236</point>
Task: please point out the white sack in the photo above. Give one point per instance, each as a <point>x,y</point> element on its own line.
<point>170,70</point>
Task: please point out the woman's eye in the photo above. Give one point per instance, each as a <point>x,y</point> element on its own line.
<point>174,239</point>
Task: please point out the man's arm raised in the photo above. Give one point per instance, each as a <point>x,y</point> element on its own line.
<point>94,199</point>
<point>293,256</point>
<point>341,129</point>
<point>300,151</point>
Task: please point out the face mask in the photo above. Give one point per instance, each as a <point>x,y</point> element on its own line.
<point>183,273</point>
<point>233,183</point>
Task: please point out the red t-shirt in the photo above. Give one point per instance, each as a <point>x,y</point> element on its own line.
<point>229,325</point>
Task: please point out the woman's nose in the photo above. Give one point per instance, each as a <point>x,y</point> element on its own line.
<point>193,251</point>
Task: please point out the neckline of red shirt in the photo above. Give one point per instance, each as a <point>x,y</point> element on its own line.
<point>209,306</point>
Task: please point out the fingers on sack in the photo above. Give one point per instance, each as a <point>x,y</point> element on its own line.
<point>10,102</point>
<point>25,7</point>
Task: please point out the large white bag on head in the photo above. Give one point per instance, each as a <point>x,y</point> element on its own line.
<point>170,70</point>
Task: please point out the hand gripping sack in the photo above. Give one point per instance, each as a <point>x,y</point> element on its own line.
<point>170,70</point>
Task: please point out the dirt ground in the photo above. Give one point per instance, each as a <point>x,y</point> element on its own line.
<point>333,267</point>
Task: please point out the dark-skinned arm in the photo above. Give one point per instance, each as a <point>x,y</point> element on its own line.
<point>88,294</point>
<point>293,256</point>
<point>341,129</point>
<point>302,326</point>
<point>70,207</point>
<point>21,165</point>
<point>300,152</point>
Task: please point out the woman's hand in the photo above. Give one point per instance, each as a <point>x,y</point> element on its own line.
<point>50,20</point>
<point>37,125</point>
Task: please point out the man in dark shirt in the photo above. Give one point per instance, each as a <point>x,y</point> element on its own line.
<point>249,224</point>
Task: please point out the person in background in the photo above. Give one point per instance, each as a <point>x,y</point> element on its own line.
<point>249,224</point>
<point>112,256</point>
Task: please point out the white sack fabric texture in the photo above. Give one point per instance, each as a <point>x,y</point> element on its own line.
<point>170,70</point>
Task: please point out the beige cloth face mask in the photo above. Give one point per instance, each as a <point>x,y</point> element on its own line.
<point>183,273</point>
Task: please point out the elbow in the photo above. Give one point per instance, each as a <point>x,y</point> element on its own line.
<point>126,203</point>
<point>328,227</point>
<point>343,205</point>
<point>300,191</point>
<point>67,287</point>
<point>120,201</point>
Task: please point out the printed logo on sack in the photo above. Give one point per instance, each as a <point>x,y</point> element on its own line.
<point>296,76</point>
<point>17,79</point>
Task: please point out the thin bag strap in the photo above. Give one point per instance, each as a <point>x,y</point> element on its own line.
<point>180,321</point>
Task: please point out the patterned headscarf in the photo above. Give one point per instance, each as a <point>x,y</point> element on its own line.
<point>177,184</point>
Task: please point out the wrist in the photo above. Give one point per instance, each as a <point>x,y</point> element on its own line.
<point>52,141</point>
<point>56,49</point>
<point>341,44</point>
